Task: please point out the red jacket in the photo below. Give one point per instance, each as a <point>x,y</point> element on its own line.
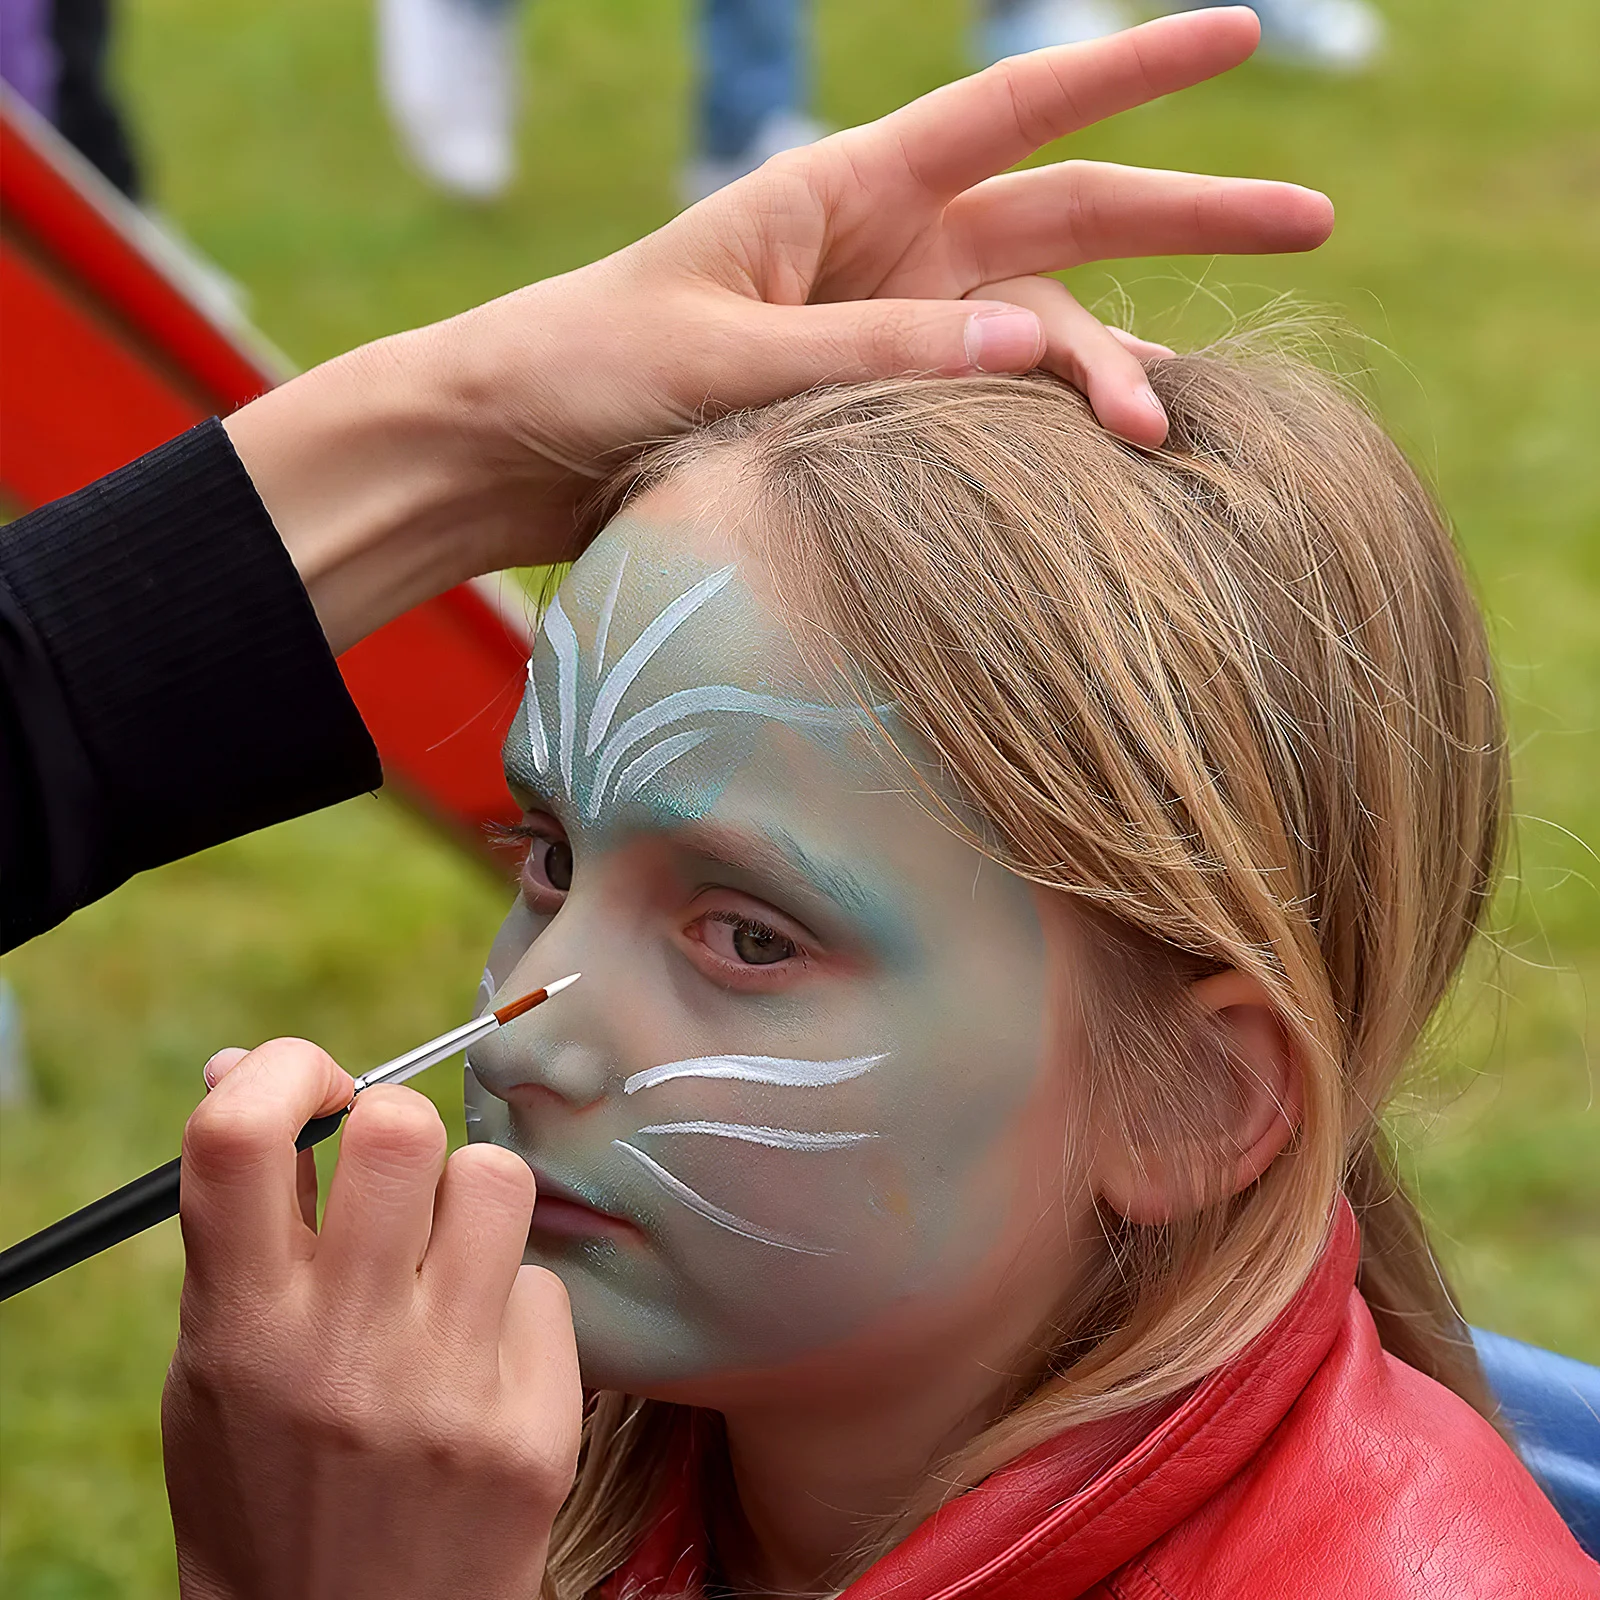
<point>1314,1465</point>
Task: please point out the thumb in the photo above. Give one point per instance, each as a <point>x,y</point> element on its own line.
<point>783,350</point>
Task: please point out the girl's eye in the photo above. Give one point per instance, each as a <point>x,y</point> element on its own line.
<point>557,864</point>
<point>746,941</point>
<point>547,868</point>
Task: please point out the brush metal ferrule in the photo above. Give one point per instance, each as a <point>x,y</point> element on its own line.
<point>429,1054</point>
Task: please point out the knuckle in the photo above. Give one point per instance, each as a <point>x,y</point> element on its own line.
<point>493,1177</point>
<point>893,338</point>
<point>223,1136</point>
<point>393,1126</point>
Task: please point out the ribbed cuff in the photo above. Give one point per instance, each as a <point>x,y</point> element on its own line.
<point>190,658</point>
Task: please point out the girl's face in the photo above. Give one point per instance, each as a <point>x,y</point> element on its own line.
<point>804,1101</point>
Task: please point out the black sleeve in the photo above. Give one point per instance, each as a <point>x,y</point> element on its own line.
<point>164,683</point>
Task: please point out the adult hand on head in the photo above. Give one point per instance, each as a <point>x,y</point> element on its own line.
<point>899,247</point>
<point>389,1406</point>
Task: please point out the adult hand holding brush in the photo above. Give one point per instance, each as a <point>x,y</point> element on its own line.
<point>388,1406</point>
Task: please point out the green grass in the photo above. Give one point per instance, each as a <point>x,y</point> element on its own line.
<point>1467,173</point>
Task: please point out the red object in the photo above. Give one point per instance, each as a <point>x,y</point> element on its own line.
<point>1313,1465</point>
<point>112,341</point>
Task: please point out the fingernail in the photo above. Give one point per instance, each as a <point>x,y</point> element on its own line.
<point>1147,398</point>
<point>220,1064</point>
<point>1003,341</point>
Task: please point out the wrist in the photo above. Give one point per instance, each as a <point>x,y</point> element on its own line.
<point>386,478</point>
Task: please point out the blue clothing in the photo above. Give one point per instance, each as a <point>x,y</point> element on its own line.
<point>1553,1405</point>
<point>753,65</point>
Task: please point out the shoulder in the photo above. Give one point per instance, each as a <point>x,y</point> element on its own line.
<point>1378,1483</point>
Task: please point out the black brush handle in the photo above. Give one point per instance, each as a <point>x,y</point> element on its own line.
<point>130,1210</point>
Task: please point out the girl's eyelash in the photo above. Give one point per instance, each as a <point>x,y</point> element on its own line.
<point>515,832</point>
<point>508,832</point>
<point>734,920</point>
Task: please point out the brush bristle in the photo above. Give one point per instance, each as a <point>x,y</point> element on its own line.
<point>515,1008</point>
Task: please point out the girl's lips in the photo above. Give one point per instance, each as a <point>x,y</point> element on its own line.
<point>560,1214</point>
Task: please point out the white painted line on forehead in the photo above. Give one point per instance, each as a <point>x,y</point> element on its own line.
<point>757,1069</point>
<point>723,697</point>
<point>535,721</point>
<point>698,1203</point>
<point>637,656</point>
<point>776,1138</point>
<point>558,630</point>
<point>643,768</point>
<point>608,607</point>
<point>607,748</point>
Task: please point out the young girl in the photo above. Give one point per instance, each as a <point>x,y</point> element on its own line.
<point>1009,871</point>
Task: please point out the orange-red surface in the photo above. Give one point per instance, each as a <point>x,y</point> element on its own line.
<point>105,353</point>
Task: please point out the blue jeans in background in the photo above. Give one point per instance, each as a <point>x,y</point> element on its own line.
<point>752,64</point>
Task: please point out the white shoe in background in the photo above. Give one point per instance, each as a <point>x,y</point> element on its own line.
<point>448,69</point>
<point>1326,35</point>
<point>780,131</point>
<point>1015,30</point>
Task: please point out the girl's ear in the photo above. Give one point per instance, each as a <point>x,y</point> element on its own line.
<point>1154,1184</point>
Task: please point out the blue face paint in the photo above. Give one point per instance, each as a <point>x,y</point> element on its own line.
<point>592,736</point>
<point>790,1151</point>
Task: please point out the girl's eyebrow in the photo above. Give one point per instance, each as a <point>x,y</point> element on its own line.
<point>773,854</point>
<point>523,778</point>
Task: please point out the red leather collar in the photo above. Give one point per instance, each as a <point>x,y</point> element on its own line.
<point>1070,1512</point>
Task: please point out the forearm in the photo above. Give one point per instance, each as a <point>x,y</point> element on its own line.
<point>389,477</point>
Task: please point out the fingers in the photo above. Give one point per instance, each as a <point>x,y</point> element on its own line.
<point>305,1187</point>
<point>1100,362</point>
<point>968,131</point>
<point>239,1207</point>
<point>1145,349</point>
<point>480,1227</point>
<point>538,1351</point>
<point>1075,211</point>
<point>380,1203</point>
<point>780,350</point>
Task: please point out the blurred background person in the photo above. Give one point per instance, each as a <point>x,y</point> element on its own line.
<point>1328,35</point>
<point>448,70</point>
<point>53,53</point>
<point>450,78</point>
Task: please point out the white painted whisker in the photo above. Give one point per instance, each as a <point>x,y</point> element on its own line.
<point>696,1202</point>
<point>775,1070</point>
<point>775,1138</point>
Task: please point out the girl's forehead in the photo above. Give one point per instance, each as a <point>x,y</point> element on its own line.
<point>658,675</point>
<point>681,599</point>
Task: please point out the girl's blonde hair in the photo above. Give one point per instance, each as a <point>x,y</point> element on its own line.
<point>1234,699</point>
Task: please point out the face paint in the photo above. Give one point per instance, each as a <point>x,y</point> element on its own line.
<point>789,1150</point>
<point>617,765</point>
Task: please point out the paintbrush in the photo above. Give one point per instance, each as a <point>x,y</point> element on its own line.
<point>154,1197</point>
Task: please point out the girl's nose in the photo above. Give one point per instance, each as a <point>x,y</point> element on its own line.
<point>514,1067</point>
<point>557,1048</point>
